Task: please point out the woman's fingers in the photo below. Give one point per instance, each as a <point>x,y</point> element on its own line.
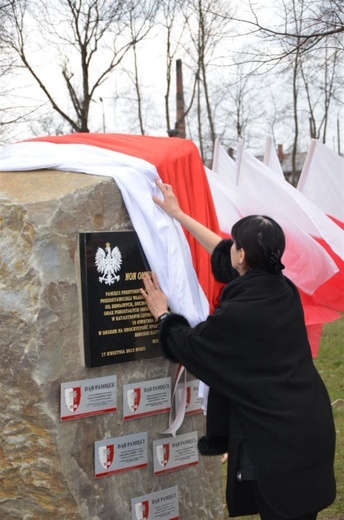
<point>155,281</point>
<point>156,300</point>
<point>148,283</point>
<point>151,284</point>
<point>170,203</point>
<point>162,185</point>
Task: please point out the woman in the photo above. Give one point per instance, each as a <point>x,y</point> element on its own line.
<point>267,407</point>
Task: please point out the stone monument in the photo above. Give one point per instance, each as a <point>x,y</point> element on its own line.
<point>47,465</point>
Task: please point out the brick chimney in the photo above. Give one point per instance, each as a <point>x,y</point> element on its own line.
<point>280,152</point>
<point>180,124</point>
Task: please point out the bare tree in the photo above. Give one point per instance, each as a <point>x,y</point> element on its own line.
<point>203,35</point>
<point>320,87</point>
<point>89,39</point>
<point>309,58</point>
<point>141,19</point>
<point>10,117</point>
<point>169,21</point>
<point>296,15</point>
<point>176,31</point>
<point>241,92</point>
<point>206,29</point>
<point>303,41</point>
<point>322,19</point>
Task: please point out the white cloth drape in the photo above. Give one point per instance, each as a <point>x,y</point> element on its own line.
<point>161,237</point>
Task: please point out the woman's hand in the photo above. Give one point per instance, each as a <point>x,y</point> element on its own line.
<point>170,203</point>
<point>207,238</point>
<point>156,300</point>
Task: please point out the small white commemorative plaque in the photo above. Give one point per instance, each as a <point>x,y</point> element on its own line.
<point>146,398</point>
<point>120,454</point>
<point>161,505</point>
<point>88,397</point>
<point>175,453</point>
<point>193,402</point>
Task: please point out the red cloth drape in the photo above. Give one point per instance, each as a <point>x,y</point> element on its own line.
<point>179,163</point>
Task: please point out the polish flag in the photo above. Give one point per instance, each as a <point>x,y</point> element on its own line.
<point>252,187</point>
<point>249,186</point>
<point>255,177</point>
<point>320,306</point>
<point>322,180</point>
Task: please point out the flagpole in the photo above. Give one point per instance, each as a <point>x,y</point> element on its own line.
<point>267,149</point>
<point>238,159</point>
<point>214,165</point>
<point>306,166</point>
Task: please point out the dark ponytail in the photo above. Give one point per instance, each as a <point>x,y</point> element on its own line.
<point>263,241</point>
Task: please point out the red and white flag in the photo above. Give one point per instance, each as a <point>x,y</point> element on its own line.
<point>256,179</point>
<point>322,179</point>
<point>256,189</point>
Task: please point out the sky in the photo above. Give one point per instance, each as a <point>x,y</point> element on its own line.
<point>112,115</point>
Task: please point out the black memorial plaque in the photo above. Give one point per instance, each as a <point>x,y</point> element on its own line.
<point>117,324</point>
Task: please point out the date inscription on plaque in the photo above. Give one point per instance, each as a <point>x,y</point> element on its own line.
<point>117,324</point>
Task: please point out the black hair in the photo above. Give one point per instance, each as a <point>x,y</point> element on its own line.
<point>263,241</point>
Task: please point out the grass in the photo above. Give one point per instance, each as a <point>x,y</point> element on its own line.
<point>330,364</point>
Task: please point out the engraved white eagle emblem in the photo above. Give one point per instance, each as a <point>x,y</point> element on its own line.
<point>108,263</point>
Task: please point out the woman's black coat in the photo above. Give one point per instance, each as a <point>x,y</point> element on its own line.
<point>253,353</point>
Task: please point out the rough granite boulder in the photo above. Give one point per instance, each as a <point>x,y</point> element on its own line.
<point>47,466</point>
